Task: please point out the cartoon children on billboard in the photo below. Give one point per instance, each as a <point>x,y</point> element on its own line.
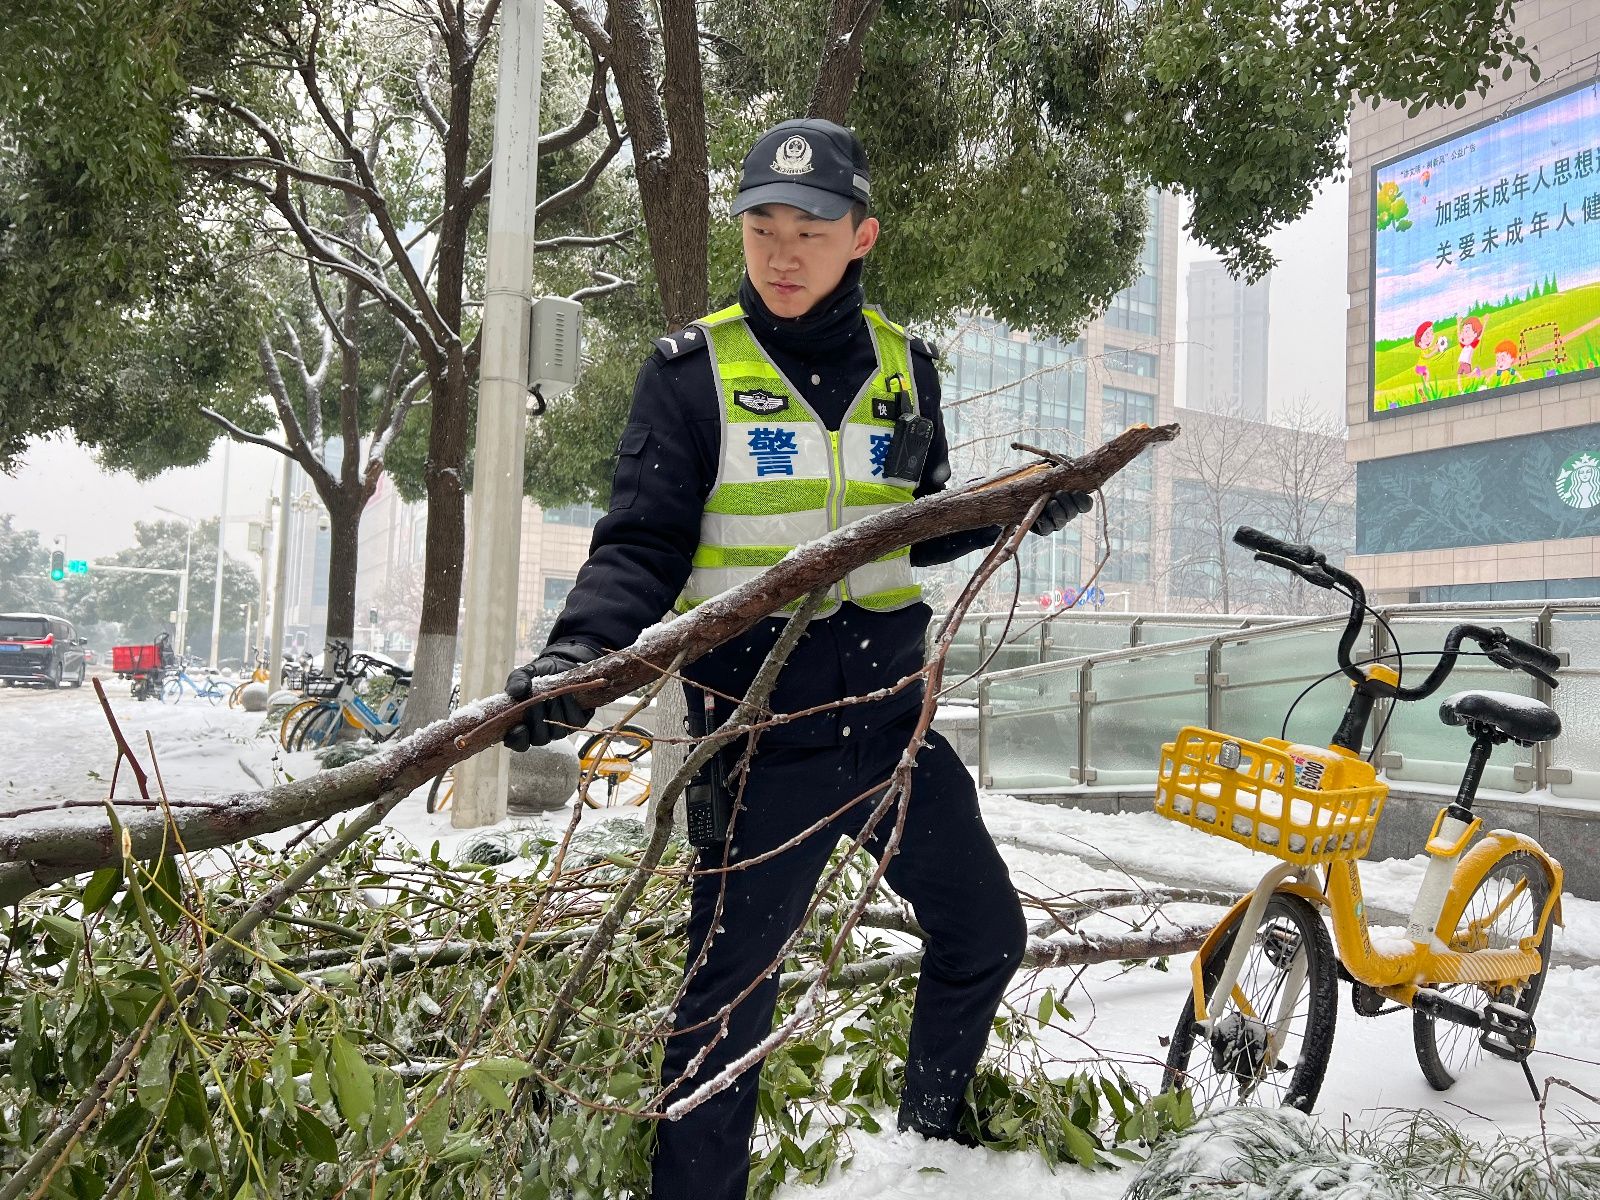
<point>1470,334</point>
<point>1505,364</point>
<point>1429,345</point>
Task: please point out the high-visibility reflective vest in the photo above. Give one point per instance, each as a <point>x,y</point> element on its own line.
<point>784,478</point>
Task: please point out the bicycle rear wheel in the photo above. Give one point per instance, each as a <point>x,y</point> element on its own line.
<point>1268,1043</point>
<point>1503,910</point>
<point>442,792</point>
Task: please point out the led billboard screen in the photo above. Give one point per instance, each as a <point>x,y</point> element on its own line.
<point>1486,258</point>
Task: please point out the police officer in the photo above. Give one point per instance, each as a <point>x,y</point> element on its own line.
<point>756,429</point>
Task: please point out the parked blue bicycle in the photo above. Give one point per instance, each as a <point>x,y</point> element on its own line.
<point>180,682</point>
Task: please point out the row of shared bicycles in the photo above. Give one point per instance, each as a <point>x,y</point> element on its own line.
<point>355,696</point>
<point>352,696</point>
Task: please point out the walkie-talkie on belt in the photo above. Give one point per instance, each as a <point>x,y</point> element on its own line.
<point>913,435</point>
<point>707,802</point>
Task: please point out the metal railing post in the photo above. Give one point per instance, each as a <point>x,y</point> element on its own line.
<point>1545,772</point>
<point>1381,647</point>
<point>985,777</point>
<point>1214,681</point>
<point>1085,698</point>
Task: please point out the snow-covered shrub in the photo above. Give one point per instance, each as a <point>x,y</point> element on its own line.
<point>1282,1154</point>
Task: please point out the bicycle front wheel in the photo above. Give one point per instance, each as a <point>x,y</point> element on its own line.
<point>615,766</point>
<point>1267,1043</point>
<point>172,692</point>
<point>1502,912</point>
<point>291,718</point>
<point>317,728</point>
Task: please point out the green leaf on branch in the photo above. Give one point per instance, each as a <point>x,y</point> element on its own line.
<point>102,886</point>
<point>352,1081</point>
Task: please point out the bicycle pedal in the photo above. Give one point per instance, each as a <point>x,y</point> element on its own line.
<point>1507,1032</point>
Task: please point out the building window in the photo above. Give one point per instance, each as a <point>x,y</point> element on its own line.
<point>573,514</point>
<point>1136,307</point>
<point>1121,407</point>
<point>1133,362</point>
<point>556,588</point>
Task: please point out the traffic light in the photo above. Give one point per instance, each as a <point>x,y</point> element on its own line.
<point>58,565</point>
<point>78,566</point>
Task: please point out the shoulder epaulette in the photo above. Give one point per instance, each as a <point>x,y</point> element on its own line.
<point>924,348</point>
<point>673,345</point>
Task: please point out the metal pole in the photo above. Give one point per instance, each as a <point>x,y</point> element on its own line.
<point>216,591</point>
<point>267,538</point>
<point>494,545</point>
<point>280,585</point>
<point>183,595</point>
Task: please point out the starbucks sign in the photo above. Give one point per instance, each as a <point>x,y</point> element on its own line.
<point>1578,481</point>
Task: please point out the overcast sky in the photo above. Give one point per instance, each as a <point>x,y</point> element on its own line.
<point>59,490</point>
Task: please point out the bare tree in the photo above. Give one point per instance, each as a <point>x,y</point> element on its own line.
<point>364,134</point>
<point>1288,478</point>
<point>345,487</point>
<point>1314,502</point>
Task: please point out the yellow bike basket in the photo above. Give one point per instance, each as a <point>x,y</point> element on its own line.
<point>1302,804</point>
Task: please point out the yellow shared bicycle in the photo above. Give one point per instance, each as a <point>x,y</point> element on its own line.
<point>1258,1025</point>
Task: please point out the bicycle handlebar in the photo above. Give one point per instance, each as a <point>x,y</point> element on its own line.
<point>1309,564</point>
<point>1265,543</point>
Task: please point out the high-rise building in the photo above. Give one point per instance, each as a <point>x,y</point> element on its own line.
<point>1003,385</point>
<point>1227,332</point>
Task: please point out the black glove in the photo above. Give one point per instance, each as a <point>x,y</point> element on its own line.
<point>553,718</point>
<point>1061,508</point>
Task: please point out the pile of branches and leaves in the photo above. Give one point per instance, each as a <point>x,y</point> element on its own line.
<point>387,1030</point>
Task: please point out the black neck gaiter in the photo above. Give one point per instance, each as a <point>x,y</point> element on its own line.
<point>830,324</point>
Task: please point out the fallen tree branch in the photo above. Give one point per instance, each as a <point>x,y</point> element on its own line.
<point>1041,954</point>
<point>36,855</point>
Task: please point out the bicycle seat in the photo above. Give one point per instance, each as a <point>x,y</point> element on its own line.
<point>1520,718</point>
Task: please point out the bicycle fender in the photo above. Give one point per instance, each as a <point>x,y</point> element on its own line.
<point>1197,965</point>
<point>1480,860</point>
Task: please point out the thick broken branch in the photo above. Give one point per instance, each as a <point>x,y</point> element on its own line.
<point>1076,951</point>
<point>36,855</point>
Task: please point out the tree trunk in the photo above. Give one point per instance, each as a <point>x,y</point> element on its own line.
<point>444,553</point>
<point>433,667</point>
<point>33,857</point>
<point>669,148</point>
<point>840,69</point>
<point>344,527</point>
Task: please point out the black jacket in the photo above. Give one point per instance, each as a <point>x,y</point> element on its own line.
<point>667,462</point>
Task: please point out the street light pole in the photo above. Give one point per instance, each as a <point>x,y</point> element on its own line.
<point>216,591</point>
<point>280,584</point>
<point>489,638</point>
<point>182,632</point>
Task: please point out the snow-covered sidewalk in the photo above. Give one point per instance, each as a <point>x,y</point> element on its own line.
<point>55,746</point>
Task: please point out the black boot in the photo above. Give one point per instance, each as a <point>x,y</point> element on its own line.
<point>937,1120</point>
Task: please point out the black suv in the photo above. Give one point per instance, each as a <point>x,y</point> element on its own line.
<point>35,648</point>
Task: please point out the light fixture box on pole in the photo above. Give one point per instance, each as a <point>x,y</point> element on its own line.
<point>555,345</point>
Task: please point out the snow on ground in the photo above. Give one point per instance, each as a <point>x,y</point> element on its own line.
<point>53,745</point>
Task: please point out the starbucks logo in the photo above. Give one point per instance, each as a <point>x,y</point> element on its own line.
<point>1578,482</point>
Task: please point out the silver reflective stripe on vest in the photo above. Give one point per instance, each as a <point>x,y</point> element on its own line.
<point>773,529</point>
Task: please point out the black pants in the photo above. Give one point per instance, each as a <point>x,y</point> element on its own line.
<point>946,866</point>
